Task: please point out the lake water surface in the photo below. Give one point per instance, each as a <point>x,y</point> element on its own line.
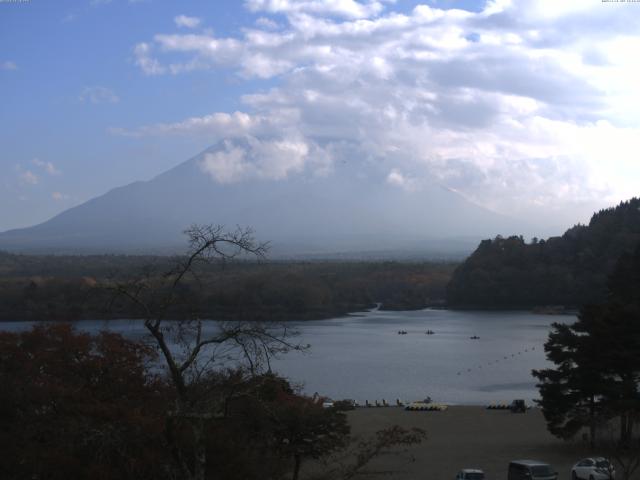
<point>364,358</point>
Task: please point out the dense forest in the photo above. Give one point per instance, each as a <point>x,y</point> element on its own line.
<point>76,287</point>
<point>569,271</point>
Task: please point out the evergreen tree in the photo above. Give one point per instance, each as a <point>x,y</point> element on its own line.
<point>597,361</point>
<point>571,393</point>
<point>569,270</point>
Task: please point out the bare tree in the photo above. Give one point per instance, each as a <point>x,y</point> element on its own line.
<point>353,461</point>
<point>625,451</point>
<point>627,455</point>
<point>199,346</point>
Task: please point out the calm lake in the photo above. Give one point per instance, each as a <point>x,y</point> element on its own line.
<point>363,357</point>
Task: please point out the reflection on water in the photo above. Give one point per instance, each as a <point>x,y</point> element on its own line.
<point>363,357</point>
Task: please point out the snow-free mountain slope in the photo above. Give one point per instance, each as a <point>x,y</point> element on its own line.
<point>347,210</point>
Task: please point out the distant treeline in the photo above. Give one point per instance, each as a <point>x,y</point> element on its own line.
<point>76,287</point>
<point>570,270</point>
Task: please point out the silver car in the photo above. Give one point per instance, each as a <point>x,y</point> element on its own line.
<point>594,468</point>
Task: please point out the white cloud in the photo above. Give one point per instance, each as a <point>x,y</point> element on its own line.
<point>226,166</point>
<point>342,8</point>
<point>219,125</point>
<point>210,51</point>
<point>143,59</point>
<point>8,65</point>
<point>521,104</point>
<point>267,23</point>
<point>396,178</point>
<point>58,196</point>
<point>48,167</point>
<point>29,177</point>
<point>277,159</point>
<point>98,95</point>
<point>183,21</point>
<point>253,158</point>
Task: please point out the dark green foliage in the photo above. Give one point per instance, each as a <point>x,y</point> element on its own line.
<point>572,392</point>
<point>597,361</point>
<point>69,288</point>
<point>570,270</point>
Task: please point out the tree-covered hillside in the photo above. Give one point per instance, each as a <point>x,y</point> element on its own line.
<point>570,270</point>
<point>73,287</point>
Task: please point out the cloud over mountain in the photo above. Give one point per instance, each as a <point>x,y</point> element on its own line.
<point>521,104</point>
<point>244,182</point>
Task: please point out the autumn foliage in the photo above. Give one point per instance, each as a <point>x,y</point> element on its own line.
<point>78,406</point>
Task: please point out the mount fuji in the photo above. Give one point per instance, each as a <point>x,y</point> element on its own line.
<point>349,211</point>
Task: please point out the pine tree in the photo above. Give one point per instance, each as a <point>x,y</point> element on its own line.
<point>597,361</point>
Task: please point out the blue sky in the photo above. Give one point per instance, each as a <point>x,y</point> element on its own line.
<point>520,108</point>
<point>59,50</point>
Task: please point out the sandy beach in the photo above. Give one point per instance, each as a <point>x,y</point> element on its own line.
<point>467,437</point>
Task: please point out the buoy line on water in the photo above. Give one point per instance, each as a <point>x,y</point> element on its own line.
<point>476,337</point>
<point>505,357</point>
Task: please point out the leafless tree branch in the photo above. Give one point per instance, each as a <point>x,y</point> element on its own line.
<point>155,295</point>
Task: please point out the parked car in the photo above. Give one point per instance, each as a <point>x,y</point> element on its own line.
<point>594,468</point>
<point>344,405</point>
<point>470,474</point>
<point>531,470</point>
<point>518,406</point>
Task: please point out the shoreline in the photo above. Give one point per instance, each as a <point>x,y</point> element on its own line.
<point>340,314</point>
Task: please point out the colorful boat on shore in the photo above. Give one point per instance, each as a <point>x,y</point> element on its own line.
<point>426,407</point>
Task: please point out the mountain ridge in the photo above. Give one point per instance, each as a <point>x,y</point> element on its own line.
<point>347,211</point>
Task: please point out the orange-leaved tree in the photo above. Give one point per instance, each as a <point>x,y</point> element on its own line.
<point>73,405</point>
